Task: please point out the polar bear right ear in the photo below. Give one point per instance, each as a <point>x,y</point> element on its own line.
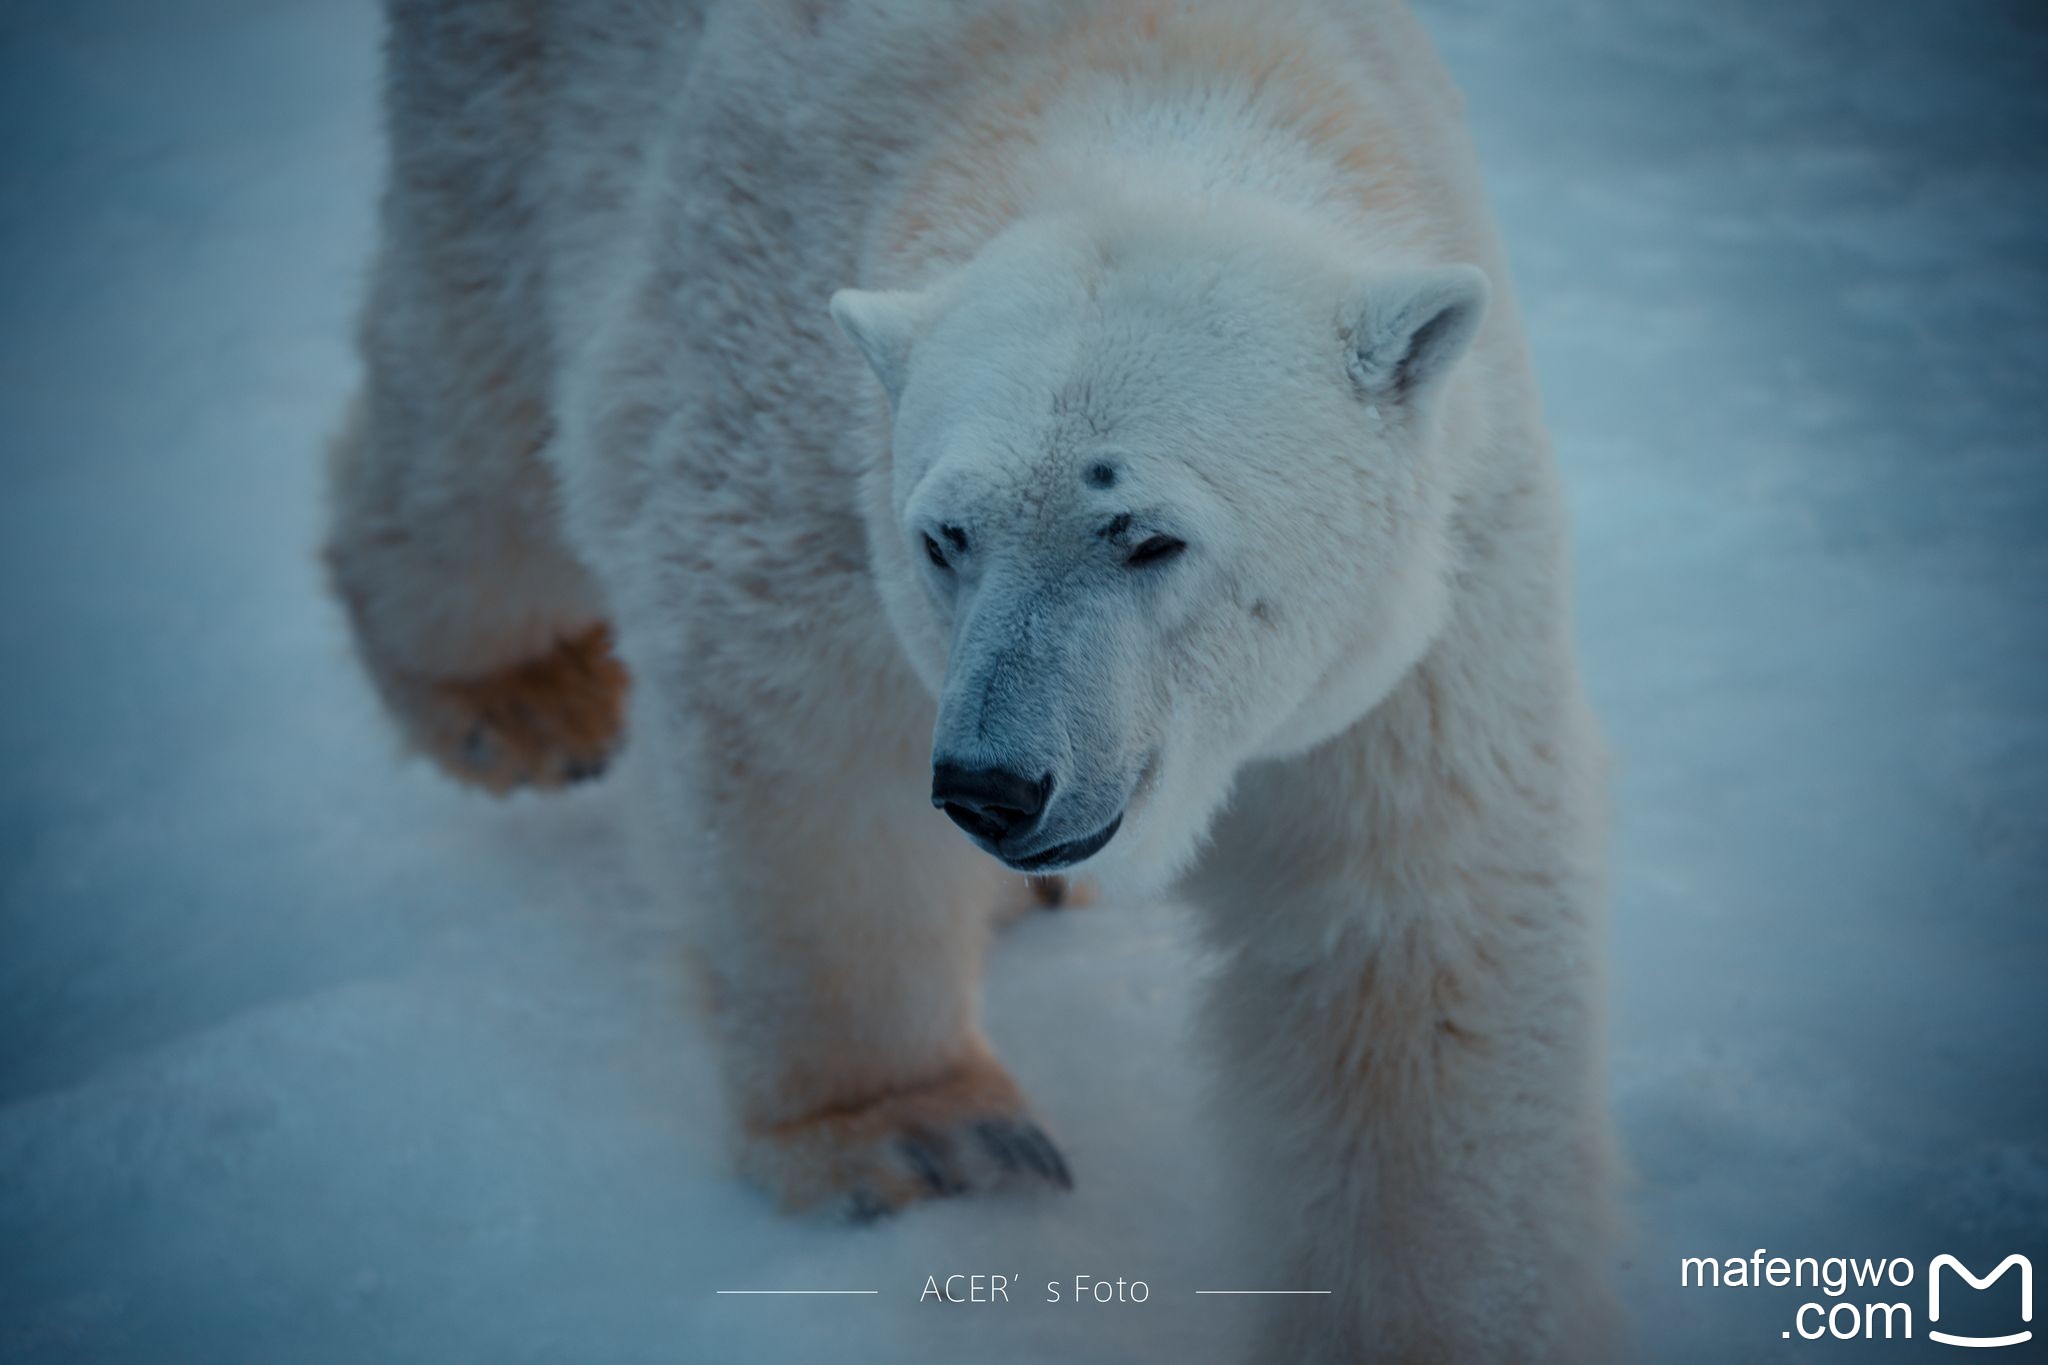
<point>884,324</point>
<point>1405,329</point>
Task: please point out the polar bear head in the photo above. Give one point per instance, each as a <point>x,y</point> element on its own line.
<point>1164,496</point>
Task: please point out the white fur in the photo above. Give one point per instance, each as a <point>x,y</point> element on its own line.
<point>1345,721</point>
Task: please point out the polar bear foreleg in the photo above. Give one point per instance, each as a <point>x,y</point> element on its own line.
<point>839,924</point>
<point>1416,1111</point>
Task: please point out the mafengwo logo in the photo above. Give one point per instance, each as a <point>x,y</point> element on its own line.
<point>1876,1315</point>
<point>1940,1263</point>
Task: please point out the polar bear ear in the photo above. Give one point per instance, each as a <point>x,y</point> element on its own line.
<point>884,324</point>
<point>1404,331</point>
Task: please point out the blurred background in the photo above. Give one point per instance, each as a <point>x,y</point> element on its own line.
<point>306,1055</point>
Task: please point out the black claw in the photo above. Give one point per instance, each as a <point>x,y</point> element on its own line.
<point>1017,1144</point>
<point>995,1135</point>
<point>583,769</point>
<point>863,1206</point>
<point>1045,1158</point>
<point>476,745</point>
<point>926,1151</point>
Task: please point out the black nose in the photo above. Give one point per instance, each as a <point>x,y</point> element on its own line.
<point>993,804</point>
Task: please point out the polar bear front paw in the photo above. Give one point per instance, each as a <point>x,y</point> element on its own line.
<point>968,1132</point>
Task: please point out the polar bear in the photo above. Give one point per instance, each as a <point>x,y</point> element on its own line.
<point>956,439</point>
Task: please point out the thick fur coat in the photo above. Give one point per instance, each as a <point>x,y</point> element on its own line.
<point>1108,422</point>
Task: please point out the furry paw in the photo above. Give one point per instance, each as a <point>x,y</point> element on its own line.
<point>547,722</point>
<point>1026,895</point>
<point>966,1133</point>
<point>1061,893</point>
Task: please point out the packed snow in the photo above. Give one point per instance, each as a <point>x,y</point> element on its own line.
<point>307,1055</point>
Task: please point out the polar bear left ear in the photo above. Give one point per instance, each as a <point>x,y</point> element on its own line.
<point>884,324</point>
<point>1404,331</point>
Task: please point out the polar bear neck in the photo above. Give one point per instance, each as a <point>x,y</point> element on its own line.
<point>1188,102</point>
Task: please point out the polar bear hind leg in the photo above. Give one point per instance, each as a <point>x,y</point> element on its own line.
<point>483,634</point>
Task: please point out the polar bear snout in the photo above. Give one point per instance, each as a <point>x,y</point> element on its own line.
<point>994,805</point>
<point>1002,812</point>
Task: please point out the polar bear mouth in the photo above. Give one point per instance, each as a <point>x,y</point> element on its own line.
<point>1069,853</point>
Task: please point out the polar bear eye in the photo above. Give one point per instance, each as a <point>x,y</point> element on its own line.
<point>1156,550</point>
<point>934,553</point>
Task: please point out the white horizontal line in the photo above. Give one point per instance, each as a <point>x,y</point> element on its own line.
<point>797,1291</point>
<point>1262,1291</point>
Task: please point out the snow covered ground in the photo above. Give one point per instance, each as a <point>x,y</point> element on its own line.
<point>307,1056</point>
